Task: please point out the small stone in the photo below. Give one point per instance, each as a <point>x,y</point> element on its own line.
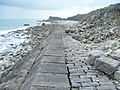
<point>117,75</point>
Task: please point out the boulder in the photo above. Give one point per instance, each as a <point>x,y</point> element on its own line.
<point>43,24</point>
<point>26,24</point>
<point>93,55</point>
<point>116,54</point>
<point>106,65</point>
<point>117,74</point>
<point>76,37</point>
<point>67,31</point>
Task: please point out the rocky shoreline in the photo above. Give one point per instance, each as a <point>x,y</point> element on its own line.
<point>99,33</point>
<point>102,44</point>
<point>16,62</point>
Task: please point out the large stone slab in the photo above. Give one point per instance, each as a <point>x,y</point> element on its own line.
<point>116,54</point>
<point>59,53</point>
<point>51,77</point>
<point>55,47</point>
<point>52,68</point>
<point>53,59</point>
<point>117,74</point>
<point>37,87</point>
<point>106,65</point>
<point>56,41</point>
<point>106,88</point>
<point>93,55</point>
<point>49,81</point>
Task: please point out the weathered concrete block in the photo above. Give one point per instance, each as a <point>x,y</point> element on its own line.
<point>74,84</point>
<point>106,65</point>
<point>93,55</point>
<point>117,75</point>
<point>116,54</point>
<point>87,88</point>
<point>106,88</point>
<point>53,68</point>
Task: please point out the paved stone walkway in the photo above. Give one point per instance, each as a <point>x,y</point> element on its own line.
<point>63,66</point>
<point>82,75</point>
<point>50,73</point>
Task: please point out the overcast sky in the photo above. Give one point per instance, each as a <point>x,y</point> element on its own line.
<point>44,8</point>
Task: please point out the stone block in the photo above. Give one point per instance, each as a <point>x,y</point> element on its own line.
<point>80,80</point>
<point>75,85</point>
<point>117,75</point>
<point>93,55</point>
<point>51,77</point>
<point>87,88</point>
<point>37,87</point>
<point>106,83</point>
<point>53,59</point>
<point>106,65</point>
<point>75,88</point>
<point>59,53</point>
<point>89,84</point>
<point>116,54</point>
<point>53,68</point>
<point>106,88</point>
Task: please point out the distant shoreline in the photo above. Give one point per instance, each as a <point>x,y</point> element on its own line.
<point>14,24</point>
<point>10,30</point>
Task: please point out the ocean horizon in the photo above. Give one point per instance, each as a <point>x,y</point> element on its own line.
<point>6,24</point>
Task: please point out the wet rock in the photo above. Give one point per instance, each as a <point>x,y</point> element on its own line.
<point>26,24</point>
<point>76,37</point>
<point>1,58</point>
<point>43,24</point>
<point>2,35</point>
<point>67,31</point>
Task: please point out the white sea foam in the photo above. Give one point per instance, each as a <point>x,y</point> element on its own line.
<point>11,42</point>
<point>9,38</point>
<point>9,30</point>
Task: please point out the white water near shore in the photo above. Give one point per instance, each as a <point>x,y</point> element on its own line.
<point>9,30</point>
<point>10,43</point>
<point>8,39</point>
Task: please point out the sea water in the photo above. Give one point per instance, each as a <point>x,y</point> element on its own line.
<point>12,24</point>
<point>9,25</point>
